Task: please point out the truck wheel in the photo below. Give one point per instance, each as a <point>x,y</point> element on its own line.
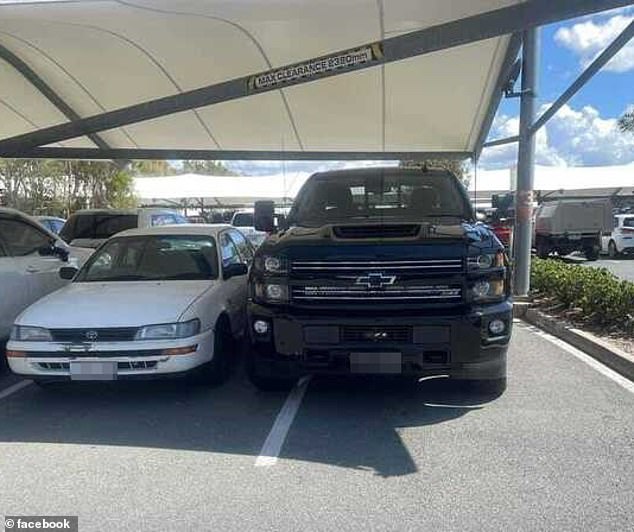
<point>591,254</point>
<point>266,383</point>
<point>542,249</point>
<point>216,371</point>
<point>613,253</point>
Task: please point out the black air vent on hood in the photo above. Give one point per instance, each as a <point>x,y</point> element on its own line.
<point>377,231</point>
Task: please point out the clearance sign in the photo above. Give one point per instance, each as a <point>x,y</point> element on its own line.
<point>317,67</point>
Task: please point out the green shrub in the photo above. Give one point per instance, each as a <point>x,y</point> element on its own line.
<point>603,297</point>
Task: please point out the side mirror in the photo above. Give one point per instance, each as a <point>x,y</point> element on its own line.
<point>46,251</point>
<point>68,273</point>
<point>264,216</point>
<point>234,270</point>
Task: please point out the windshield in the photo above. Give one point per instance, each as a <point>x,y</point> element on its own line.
<point>97,226</point>
<point>153,258</point>
<point>243,219</point>
<point>378,197</point>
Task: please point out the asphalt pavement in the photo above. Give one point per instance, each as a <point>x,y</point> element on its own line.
<point>554,452</point>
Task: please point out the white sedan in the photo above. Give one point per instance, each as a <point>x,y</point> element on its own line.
<point>160,301</point>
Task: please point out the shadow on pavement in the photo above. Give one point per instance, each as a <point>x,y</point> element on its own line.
<point>355,424</point>
<point>345,423</point>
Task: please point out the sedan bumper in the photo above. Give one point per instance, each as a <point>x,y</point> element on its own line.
<point>57,361</point>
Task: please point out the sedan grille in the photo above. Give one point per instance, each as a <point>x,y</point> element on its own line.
<point>115,334</point>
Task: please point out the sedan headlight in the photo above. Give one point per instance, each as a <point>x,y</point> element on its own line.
<point>272,293</point>
<point>486,261</point>
<point>488,290</point>
<point>24,333</point>
<point>169,331</point>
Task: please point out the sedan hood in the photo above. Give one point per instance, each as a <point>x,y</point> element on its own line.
<point>117,304</point>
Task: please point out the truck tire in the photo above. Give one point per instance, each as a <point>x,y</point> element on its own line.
<point>591,254</point>
<point>543,250</point>
<point>613,253</point>
<point>266,383</point>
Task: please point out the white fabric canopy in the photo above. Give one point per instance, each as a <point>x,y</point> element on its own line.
<point>100,55</point>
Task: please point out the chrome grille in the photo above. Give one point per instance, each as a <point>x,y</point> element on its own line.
<point>419,266</point>
<point>390,293</point>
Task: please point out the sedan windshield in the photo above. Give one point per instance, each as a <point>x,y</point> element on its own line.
<point>379,197</point>
<point>153,258</point>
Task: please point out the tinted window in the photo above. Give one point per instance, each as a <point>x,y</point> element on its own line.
<point>628,222</point>
<point>331,198</point>
<point>97,226</point>
<point>243,219</point>
<point>153,258</point>
<point>229,251</point>
<point>21,238</point>
<point>244,247</point>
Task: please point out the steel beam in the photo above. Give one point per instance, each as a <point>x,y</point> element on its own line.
<point>507,20</point>
<point>618,43</point>
<point>227,155</point>
<point>506,72</point>
<point>45,89</point>
<point>501,142</point>
<point>523,234</point>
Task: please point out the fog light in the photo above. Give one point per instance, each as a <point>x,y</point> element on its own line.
<point>497,327</point>
<point>261,326</point>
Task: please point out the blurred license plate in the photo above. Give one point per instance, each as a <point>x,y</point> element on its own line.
<point>93,371</point>
<point>389,362</point>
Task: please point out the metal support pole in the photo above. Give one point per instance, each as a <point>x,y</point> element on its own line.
<point>526,163</point>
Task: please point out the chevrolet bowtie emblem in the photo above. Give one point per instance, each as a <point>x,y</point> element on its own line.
<point>374,281</point>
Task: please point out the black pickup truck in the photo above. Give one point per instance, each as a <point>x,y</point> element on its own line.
<point>379,271</point>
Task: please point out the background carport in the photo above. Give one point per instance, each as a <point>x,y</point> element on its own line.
<point>222,80</point>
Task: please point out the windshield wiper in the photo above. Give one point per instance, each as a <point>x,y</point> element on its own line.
<point>129,277</point>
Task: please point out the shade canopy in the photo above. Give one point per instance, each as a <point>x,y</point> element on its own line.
<point>102,55</point>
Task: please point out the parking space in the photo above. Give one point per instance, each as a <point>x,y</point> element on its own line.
<point>555,451</point>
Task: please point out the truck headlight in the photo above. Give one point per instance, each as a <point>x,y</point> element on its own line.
<point>488,290</point>
<point>169,331</point>
<point>272,264</point>
<point>272,292</point>
<point>486,261</point>
<point>25,333</point>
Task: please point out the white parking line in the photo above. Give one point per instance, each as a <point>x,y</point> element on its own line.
<point>594,364</point>
<point>276,438</point>
<point>14,388</point>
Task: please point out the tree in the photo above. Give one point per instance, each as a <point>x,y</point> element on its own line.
<point>454,166</point>
<point>206,168</point>
<point>626,122</point>
<point>151,168</point>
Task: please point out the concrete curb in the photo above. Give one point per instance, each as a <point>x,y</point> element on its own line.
<point>611,356</point>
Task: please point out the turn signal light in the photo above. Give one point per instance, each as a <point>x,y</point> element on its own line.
<point>179,350</point>
<point>16,354</point>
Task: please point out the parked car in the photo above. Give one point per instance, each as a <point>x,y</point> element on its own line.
<point>30,259</point>
<point>149,302</point>
<point>379,271</point>
<point>564,226</point>
<point>52,223</point>
<point>243,220</point>
<point>90,228</point>
<point>620,240</point>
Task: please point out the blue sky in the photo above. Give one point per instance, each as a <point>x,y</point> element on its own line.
<point>584,132</point>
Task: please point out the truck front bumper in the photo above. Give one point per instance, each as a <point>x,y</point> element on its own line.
<point>460,346</point>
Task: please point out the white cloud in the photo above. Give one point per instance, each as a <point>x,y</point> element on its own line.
<point>573,137</point>
<point>589,38</point>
